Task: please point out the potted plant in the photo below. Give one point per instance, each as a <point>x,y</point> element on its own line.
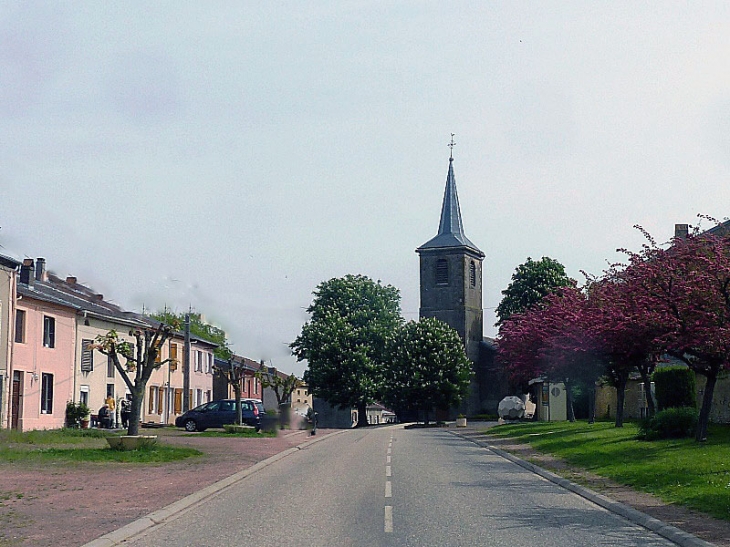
<point>461,421</point>
<point>77,415</point>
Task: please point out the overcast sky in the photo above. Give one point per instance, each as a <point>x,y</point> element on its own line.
<point>230,156</point>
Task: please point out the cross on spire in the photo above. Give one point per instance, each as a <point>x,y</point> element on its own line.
<point>451,145</point>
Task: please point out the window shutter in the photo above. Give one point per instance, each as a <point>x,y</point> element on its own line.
<point>87,356</point>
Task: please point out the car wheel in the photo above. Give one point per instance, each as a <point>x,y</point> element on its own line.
<point>190,425</point>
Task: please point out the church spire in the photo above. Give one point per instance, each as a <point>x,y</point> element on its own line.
<point>451,229</point>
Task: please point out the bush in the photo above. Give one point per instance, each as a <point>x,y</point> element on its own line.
<point>75,413</point>
<point>675,387</point>
<point>672,423</point>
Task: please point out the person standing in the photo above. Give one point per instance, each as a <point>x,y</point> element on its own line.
<point>125,409</point>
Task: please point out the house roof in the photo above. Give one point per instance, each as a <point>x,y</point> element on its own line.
<point>9,262</point>
<point>244,362</point>
<point>451,228</point>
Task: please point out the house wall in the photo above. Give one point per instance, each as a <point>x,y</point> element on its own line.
<point>634,408</point>
<point>31,360</point>
<point>164,391</point>
<point>8,280</point>
<point>92,385</point>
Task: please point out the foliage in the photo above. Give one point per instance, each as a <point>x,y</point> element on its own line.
<point>672,423</point>
<point>675,387</point>
<point>282,387</point>
<point>139,361</point>
<point>531,282</point>
<point>345,340</point>
<point>427,367</point>
<point>678,471</point>
<point>75,413</point>
<point>199,328</point>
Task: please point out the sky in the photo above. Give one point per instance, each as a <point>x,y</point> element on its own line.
<point>230,156</point>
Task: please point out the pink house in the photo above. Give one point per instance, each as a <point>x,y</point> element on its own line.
<point>43,353</point>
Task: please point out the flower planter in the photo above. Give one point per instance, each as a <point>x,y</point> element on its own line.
<point>131,442</point>
<point>460,422</point>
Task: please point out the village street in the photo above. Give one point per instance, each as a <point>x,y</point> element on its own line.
<point>400,487</point>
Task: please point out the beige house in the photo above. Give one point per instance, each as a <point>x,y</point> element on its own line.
<point>8,282</point>
<point>165,390</point>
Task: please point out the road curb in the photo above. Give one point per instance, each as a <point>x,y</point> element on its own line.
<point>672,533</point>
<point>162,515</point>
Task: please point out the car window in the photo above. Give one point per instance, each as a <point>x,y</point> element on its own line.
<point>201,408</point>
<point>211,407</point>
<point>227,406</point>
<point>246,405</point>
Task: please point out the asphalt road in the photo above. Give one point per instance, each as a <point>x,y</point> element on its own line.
<point>394,487</point>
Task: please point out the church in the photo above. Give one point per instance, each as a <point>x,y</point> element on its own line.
<point>451,291</point>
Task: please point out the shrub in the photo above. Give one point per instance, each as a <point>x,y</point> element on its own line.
<point>75,413</point>
<point>672,423</point>
<point>675,387</point>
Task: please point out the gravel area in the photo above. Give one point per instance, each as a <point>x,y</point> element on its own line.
<point>70,505</point>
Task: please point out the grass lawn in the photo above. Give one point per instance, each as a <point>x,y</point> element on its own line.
<point>80,445</point>
<point>696,475</point>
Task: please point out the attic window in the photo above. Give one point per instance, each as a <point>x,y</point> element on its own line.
<point>442,272</point>
<point>472,274</point>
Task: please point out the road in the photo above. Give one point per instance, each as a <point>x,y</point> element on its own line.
<point>390,486</point>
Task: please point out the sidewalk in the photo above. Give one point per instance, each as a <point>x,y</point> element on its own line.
<point>640,507</point>
<point>70,505</point>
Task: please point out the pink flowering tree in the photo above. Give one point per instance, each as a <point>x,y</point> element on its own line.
<point>685,289</point>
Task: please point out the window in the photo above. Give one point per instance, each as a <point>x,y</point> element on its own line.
<point>87,356</point>
<point>442,272</point>
<point>84,395</point>
<point>472,274</point>
<point>198,361</point>
<point>110,391</point>
<point>208,396</point>
<point>49,332</point>
<point>173,356</point>
<point>160,399</point>
<point>110,368</point>
<point>151,402</point>
<point>20,326</point>
<point>198,397</point>
<point>209,364</point>
<point>178,400</point>
<point>46,393</point>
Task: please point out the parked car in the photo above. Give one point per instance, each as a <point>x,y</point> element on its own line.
<point>259,404</point>
<point>219,413</point>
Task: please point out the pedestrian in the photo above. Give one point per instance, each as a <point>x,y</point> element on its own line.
<point>125,409</point>
<point>111,404</point>
<point>105,418</point>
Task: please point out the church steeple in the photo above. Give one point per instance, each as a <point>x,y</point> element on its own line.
<point>451,229</point>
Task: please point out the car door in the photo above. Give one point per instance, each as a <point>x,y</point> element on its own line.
<point>227,413</point>
<point>208,416</point>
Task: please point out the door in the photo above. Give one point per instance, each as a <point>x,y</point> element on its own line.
<point>15,399</point>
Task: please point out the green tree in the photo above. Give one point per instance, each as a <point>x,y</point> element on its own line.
<point>135,362</point>
<point>427,369</point>
<point>345,340</point>
<point>531,282</point>
<point>199,328</point>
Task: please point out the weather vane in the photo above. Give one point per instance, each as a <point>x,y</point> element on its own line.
<point>451,145</point>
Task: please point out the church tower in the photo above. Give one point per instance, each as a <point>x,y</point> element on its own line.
<point>451,273</point>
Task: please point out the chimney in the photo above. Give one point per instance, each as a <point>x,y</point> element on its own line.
<point>71,280</point>
<point>26,272</point>
<point>40,269</point>
<point>681,231</point>
<point>98,297</point>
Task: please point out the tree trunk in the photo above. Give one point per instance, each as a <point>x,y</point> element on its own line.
<point>135,412</point>
<point>704,419</point>
<point>646,378</point>
<point>569,401</point>
<point>237,395</point>
<point>362,415</point>
<point>620,398</point>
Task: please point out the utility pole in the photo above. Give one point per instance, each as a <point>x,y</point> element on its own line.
<point>186,366</point>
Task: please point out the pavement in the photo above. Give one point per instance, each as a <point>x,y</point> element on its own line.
<point>155,518</point>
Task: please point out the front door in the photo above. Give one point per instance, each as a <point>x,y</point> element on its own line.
<point>15,399</point>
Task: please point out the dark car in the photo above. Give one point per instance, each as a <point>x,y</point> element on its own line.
<point>218,413</point>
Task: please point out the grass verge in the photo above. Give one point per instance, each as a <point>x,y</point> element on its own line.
<point>681,471</point>
<point>80,445</point>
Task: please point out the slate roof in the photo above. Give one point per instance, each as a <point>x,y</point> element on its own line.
<point>9,262</point>
<point>451,228</point>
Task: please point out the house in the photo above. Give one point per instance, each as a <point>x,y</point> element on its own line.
<point>301,399</point>
<point>250,385</point>
<point>43,352</point>
<point>165,391</point>
<point>8,281</point>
